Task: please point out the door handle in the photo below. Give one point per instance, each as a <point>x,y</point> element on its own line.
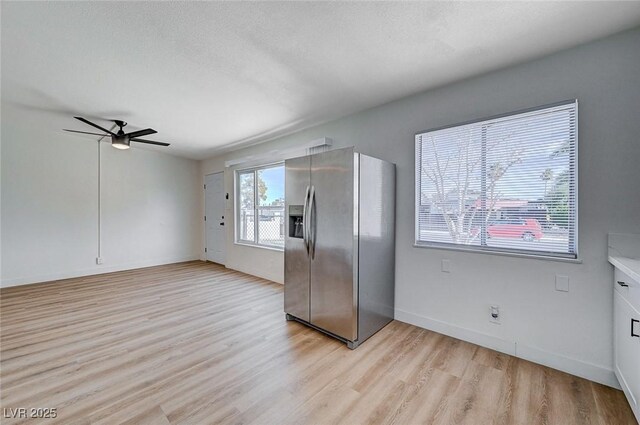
<point>222,224</point>
<point>305,222</point>
<point>633,322</point>
<point>312,222</point>
<point>624,285</point>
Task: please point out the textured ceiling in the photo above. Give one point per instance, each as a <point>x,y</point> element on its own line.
<point>213,76</point>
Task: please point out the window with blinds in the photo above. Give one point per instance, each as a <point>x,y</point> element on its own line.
<point>505,184</point>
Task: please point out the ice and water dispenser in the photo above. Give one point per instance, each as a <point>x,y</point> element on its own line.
<point>295,221</point>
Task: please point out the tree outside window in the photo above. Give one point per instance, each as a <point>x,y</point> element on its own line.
<point>506,183</point>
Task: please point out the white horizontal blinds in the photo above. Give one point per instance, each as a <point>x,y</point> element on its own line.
<point>506,184</point>
<point>450,184</point>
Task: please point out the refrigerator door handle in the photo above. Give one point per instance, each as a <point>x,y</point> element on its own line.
<point>312,218</point>
<point>305,221</point>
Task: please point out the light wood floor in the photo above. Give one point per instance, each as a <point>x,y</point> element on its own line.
<point>194,343</point>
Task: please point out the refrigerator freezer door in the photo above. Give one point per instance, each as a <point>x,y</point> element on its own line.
<point>333,271</point>
<point>296,258</point>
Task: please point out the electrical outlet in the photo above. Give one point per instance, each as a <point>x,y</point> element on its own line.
<point>494,314</point>
<point>99,260</point>
<point>446,266</point>
<point>562,283</point>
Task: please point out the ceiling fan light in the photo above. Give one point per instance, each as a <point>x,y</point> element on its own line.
<point>120,142</point>
<point>120,146</point>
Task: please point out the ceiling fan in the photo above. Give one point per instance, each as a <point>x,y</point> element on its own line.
<point>120,140</point>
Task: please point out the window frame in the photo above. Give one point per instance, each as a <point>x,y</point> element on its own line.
<point>256,206</point>
<point>513,252</point>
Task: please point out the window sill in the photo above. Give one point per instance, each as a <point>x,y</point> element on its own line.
<point>253,245</point>
<point>502,253</point>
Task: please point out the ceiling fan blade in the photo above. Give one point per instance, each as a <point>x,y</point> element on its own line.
<point>141,133</point>
<point>93,125</point>
<point>150,142</point>
<point>86,132</point>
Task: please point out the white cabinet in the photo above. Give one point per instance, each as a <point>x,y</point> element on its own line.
<point>626,337</point>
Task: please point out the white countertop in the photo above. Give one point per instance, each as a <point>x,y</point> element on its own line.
<point>630,266</point>
<point>624,253</point>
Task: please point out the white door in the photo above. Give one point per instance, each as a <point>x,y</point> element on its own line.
<point>216,236</point>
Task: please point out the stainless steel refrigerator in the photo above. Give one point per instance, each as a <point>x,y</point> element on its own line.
<point>340,243</point>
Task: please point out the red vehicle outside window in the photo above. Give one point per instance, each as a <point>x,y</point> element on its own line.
<point>526,229</point>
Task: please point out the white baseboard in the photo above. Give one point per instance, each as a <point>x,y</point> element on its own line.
<point>464,334</point>
<point>590,371</point>
<point>98,269</point>
<point>596,373</point>
<point>258,273</point>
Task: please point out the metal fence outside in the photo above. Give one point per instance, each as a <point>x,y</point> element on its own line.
<point>269,228</point>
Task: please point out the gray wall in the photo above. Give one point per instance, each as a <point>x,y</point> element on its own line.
<point>150,203</point>
<point>570,331</point>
